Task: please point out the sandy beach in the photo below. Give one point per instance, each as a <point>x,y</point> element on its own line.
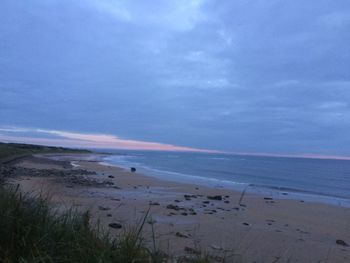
<point>188,219</point>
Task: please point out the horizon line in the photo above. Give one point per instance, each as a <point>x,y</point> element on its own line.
<point>252,154</point>
<point>105,141</point>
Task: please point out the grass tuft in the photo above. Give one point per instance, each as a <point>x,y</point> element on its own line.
<point>31,231</point>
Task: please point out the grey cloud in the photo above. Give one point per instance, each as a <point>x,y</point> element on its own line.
<point>260,76</point>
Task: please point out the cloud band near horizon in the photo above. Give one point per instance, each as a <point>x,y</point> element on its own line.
<point>86,140</point>
<point>107,141</point>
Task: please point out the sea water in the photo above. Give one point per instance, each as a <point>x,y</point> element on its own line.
<point>324,180</point>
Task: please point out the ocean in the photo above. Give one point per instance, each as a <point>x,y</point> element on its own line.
<point>320,180</point>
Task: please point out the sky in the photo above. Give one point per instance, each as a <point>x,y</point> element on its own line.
<point>252,76</point>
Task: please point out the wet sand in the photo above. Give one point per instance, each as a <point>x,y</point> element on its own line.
<point>255,228</point>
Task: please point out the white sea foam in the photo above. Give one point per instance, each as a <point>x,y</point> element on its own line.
<point>74,164</point>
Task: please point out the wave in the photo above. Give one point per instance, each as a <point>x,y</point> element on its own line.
<point>174,176</point>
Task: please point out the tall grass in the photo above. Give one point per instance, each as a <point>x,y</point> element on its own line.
<point>31,231</point>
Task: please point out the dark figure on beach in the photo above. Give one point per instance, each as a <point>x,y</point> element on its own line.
<point>133,169</point>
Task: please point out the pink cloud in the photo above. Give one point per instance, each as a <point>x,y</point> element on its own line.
<point>106,141</point>
<point>75,139</point>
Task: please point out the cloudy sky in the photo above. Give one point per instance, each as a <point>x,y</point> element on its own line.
<point>258,76</point>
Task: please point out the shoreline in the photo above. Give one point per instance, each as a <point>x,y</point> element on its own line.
<point>191,217</point>
<point>275,192</point>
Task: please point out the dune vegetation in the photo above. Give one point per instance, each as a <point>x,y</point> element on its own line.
<point>31,230</point>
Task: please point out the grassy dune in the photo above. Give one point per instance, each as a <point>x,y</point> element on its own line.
<point>13,149</point>
<point>32,231</point>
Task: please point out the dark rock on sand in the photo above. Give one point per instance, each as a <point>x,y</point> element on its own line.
<point>341,243</point>
<point>154,203</point>
<point>190,196</point>
<point>174,207</point>
<point>102,208</point>
<point>69,176</point>
<point>132,169</point>
<point>215,197</point>
<point>115,225</point>
<point>110,176</point>
<point>302,232</point>
<point>184,235</point>
<point>246,224</point>
<point>268,198</point>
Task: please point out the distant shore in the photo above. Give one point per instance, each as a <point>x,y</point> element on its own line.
<point>190,218</point>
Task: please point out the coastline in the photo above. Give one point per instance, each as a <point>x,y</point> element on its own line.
<point>252,226</point>
<point>211,182</point>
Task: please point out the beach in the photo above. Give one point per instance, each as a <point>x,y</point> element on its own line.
<point>187,219</point>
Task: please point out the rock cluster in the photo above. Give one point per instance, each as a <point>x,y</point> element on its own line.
<point>70,176</point>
